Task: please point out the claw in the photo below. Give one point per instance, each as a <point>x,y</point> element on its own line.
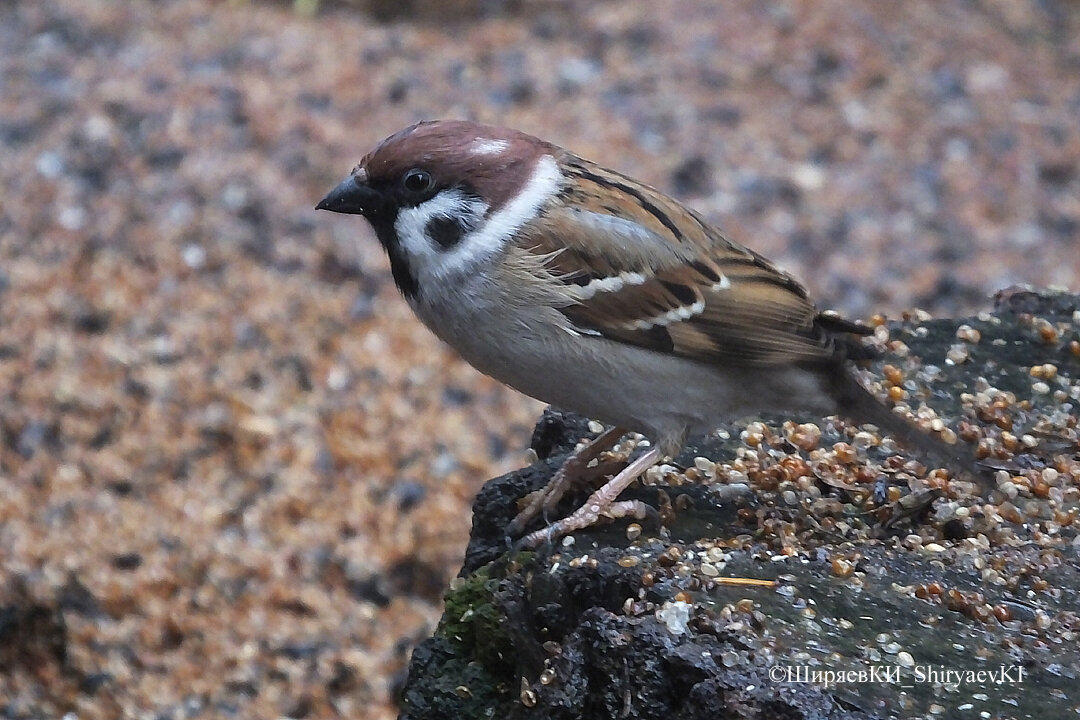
<point>601,502</point>
<point>546,498</point>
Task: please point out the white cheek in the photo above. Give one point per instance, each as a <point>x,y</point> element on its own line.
<point>434,263</point>
<point>542,185</point>
<point>411,225</point>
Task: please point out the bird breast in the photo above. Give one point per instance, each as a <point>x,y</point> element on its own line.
<point>532,348</point>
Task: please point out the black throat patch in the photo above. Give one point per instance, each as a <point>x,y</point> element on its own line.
<point>403,274</point>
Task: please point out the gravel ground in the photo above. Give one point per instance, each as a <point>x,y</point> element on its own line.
<point>235,473</point>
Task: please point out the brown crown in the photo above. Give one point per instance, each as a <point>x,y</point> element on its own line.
<point>445,148</point>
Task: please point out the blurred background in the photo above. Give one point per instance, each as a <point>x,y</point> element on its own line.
<point>235,472</point>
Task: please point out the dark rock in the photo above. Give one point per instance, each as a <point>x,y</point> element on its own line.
<point>76,598</point>
<point>413,576</point>
<point>90,684</point>
<point>455,396</point>
<point>408,494</point>
<point>333,268</point>
<point>36,435</point>
<point>693,176</point>
<point>758,193</point>
<point>91,321</point>
<point>1059,174</point>
<point>344,679</point>
<point>1021,299</point>
<point>127,561</point>
<point>33,633</point>
<point>371,588</point>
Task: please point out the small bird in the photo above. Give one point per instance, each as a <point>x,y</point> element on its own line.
<point>588,290</point>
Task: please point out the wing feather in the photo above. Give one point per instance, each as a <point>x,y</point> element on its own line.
<point>650,272</point>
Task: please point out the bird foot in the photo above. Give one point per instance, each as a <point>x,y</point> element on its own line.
<point>547,498</point>
<point>603,502</point>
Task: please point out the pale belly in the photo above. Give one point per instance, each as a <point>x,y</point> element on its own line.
<point>663,397</point>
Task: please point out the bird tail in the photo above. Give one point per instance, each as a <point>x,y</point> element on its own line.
<point>859,404</point>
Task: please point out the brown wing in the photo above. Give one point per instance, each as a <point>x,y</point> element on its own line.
<point>649,272</point>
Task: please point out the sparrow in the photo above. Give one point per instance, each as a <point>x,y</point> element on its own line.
<point>593,292</point>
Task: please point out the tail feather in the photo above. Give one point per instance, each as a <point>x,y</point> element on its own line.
<point>860,405</point>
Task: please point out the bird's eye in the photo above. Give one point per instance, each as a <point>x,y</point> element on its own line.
<point>417,181</point>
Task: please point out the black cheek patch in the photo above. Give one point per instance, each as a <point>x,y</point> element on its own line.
<point>445,231</point>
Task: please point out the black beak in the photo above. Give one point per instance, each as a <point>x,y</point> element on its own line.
<point>352,196</point>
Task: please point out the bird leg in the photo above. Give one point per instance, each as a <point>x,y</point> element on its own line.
<point>548,496</point>
<point>601,502</point>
